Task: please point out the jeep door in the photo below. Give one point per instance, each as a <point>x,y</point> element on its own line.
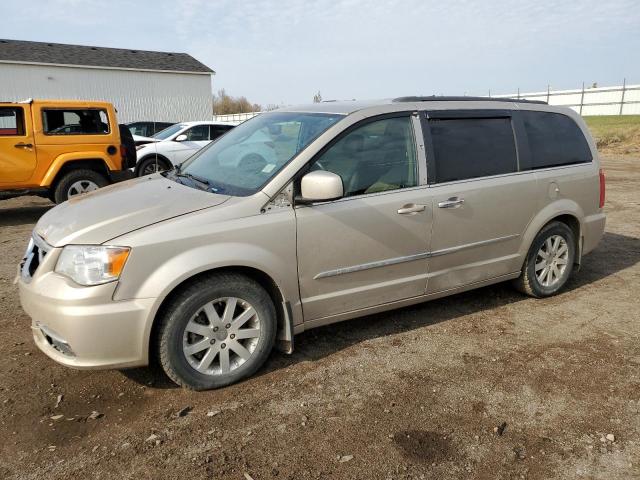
<point>369,247</point>
<point>17,149</point>
<point>482,200</point>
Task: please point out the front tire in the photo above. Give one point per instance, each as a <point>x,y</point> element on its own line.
<point>549,262</point>
<point>77,182</point>
<point>153,164</point>
<point>216,332</point>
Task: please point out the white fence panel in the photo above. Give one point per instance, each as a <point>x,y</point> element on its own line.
<point>618,100</point>
<point>235,117</point>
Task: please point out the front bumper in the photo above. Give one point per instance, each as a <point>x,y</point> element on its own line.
<point>82,327</point>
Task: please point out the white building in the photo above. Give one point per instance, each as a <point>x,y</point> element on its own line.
<point>142,85</point>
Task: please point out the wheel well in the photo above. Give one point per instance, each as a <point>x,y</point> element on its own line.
<point>159,156</point>
<point>96,165</point>
<point>253,273</point>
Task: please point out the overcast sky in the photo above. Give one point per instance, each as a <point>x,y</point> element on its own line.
<point>283,51</point>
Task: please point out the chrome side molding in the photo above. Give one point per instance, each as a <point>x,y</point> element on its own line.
<point>411,258</point>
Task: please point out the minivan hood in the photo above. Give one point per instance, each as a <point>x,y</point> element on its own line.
<point>112,211</point>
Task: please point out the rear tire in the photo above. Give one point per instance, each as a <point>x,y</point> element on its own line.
<point>76,182</point>
<point>549,262</point>
<point>216,332</point>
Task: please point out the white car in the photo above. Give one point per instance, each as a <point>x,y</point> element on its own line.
<point>175,144</point>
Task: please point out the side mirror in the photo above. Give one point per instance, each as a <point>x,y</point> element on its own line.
<point>321,186</point>
<point>180,138</point>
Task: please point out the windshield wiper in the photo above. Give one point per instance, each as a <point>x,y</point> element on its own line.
<point>196,179</point>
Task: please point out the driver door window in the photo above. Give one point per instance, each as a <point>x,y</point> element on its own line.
<point>375,157</point>
<point>199,133</point>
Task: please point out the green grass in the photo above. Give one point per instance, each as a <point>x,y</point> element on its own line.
<point>616,133</point>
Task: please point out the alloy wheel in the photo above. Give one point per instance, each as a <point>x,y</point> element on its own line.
<point>221,336</point>
<point>552,260</point>
<point>80,187</point>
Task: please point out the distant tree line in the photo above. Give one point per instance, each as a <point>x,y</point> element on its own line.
<point>224,104</point>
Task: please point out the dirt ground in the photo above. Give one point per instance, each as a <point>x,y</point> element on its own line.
<point>482,385</point>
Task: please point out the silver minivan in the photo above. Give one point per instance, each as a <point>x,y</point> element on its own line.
<point>360,207</point>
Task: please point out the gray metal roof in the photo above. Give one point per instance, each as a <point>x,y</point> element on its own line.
<point>21,51</point>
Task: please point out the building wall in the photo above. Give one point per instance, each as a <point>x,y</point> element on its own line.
<point>137,95</point>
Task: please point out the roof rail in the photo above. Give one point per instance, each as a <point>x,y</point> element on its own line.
<point>436,98</point>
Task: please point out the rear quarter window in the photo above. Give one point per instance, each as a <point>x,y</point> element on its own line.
<point>87,121</point>
<point>554,140</point>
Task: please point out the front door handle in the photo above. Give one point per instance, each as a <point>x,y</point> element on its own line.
<point>23,145</point>
<point>453,202</point>
<point>411,208</point>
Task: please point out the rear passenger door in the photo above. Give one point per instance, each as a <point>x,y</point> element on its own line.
<point>482,202</point>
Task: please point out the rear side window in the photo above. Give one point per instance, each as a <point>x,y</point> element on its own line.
<point>472,147</point>
<point>218,130</point>
<point>75,121</point>
<point>11,121</point>
<point>554,140</point>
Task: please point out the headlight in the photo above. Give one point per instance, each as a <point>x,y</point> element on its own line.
<point>92,264</point>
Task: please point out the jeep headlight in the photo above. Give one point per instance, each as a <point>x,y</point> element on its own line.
<point>92,264</point>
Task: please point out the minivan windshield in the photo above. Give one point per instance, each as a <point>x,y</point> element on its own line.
<point>240,162</point>
<point>167,132</point>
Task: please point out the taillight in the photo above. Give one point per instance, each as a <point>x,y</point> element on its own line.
<point>123,151</point>
<point>602,188</point>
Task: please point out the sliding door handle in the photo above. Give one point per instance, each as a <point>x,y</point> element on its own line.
<point>23,145</point>
<point>453,202</point>
<point>410,208</point>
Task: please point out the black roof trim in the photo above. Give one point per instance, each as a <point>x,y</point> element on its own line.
<point>436,98</point>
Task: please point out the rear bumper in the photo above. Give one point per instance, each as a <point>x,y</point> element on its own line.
<point>593,230</point>
<point>82,327</point>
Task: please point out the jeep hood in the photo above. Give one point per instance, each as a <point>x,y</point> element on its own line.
<point>112,211</point>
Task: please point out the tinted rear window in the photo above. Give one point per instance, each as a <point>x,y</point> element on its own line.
<point>554,140</point>
<point>89,121</point>
<point>472,147</point>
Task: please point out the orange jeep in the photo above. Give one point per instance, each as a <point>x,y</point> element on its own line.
<point>60,148</point>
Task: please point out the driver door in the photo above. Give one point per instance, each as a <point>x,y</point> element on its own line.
<point>197,137</point>
<point>369,247</point>
<point>17,148</point>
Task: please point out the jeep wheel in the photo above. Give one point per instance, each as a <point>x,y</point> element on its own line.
<point>77,182</point>
<point>216,332</point>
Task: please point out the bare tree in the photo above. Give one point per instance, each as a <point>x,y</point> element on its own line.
<point>224,104</point>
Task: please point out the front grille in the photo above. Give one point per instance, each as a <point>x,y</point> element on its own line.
<point>33,257</point>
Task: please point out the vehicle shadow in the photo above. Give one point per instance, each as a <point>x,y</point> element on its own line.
<point>10,217</point>
<point>615,253</point>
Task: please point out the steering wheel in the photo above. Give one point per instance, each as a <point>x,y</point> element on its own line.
<point>253,162</point>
